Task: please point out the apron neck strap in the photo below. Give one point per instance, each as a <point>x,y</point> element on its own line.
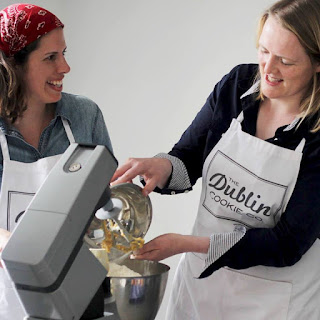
<point>4,143</point>
<point>240,117</point>
<point>68,130</point>
<point>4,146</point>
<point>300,146</point>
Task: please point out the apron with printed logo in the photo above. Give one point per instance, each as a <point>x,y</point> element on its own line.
<point>246,182</point>
<point>20,181</point>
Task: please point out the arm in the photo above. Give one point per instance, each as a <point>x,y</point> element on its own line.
<point>171,244</point>
<point>4,234</point>
<point>157,171</point>
<point>100,133</point>
<point>192,146</point>
<point>1,169</point>
<point>4,237</point>
<point>281,246</point>
<point>196,142</point>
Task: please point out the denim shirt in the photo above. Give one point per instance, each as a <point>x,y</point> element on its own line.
<point>86,123</point>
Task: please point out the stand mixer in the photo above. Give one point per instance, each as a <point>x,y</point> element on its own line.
<point>54,273</point>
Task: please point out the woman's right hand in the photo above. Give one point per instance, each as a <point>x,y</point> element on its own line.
<point>4,237</point>
<point>155,172</point>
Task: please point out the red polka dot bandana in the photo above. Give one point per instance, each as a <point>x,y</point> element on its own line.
<point>21,24</point>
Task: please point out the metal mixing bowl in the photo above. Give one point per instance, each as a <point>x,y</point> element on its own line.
<point>139,298</point>
<point>136,214</point>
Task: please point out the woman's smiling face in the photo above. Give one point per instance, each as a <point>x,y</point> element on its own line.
<point>45,69</point>
<point>286,69</point>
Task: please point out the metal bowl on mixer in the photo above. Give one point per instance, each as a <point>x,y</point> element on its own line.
<point>133,217</point>
<point>139,297</point>
<point>136,214</point>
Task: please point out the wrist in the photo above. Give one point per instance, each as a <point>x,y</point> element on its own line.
<point>189,243</point>
<point>166,165</point>
<point>4,237</point>
<point>166,173</point>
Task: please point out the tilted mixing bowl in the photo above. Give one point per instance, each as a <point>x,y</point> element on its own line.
<point>134,217</point>
<point>139,298</point>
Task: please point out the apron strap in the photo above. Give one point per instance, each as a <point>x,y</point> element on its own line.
<point>300,146</point>
<point>68,130</point>
<point>4,147</point>
<point>4,143</point>
<point>240,117</point>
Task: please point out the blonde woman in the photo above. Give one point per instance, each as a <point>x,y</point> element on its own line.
<point>254,251</point>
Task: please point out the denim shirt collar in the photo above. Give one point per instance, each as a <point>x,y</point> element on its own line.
<point>62,111</point>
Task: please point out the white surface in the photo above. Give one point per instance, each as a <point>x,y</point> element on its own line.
<point>150,65</point>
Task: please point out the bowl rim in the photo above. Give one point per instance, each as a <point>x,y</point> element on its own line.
<point>148,276</point>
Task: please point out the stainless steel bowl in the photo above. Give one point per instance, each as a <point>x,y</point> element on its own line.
<point>139,298</point>
<point>135,217</point>
<point>136,214</point>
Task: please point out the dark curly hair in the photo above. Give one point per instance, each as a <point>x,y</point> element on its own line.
<point>12,86</point>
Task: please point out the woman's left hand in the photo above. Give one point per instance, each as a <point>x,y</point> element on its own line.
<point>170,244</point>
<point>4,237</point>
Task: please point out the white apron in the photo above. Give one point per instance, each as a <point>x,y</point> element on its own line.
<point>246,181</point>
<point>20,181</point>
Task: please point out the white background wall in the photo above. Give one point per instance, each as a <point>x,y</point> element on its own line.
<point>150,66</point>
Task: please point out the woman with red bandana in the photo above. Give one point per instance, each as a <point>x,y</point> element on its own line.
<point>37,120</point>
<point>256,145</point>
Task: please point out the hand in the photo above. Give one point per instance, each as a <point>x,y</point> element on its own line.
<point>155,172</point>
<point>170,244</point>
<point>4,237</point>
<point>161,247</point>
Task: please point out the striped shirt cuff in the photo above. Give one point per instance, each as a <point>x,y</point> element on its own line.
<point>179,177</point>
<point>222,242</point>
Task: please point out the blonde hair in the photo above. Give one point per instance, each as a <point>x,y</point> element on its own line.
<point>301,17</point>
